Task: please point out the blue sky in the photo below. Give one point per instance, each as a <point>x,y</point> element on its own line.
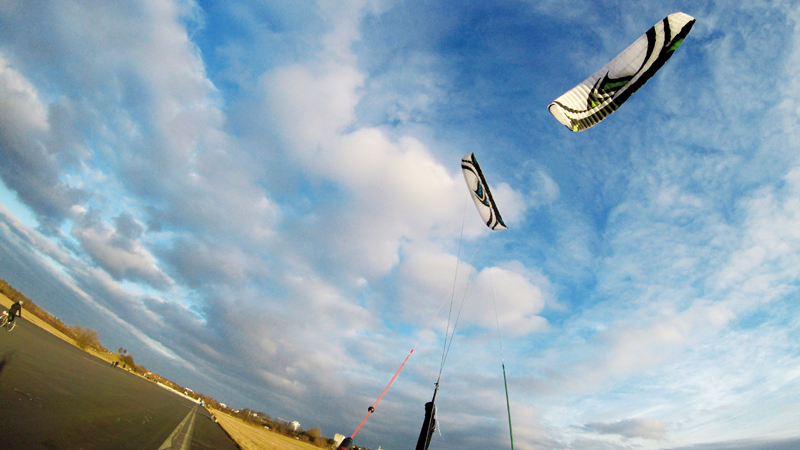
<point>263,201</point>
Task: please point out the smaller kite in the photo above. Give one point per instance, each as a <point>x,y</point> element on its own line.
<point>480,193</point>
<point>601,94</point>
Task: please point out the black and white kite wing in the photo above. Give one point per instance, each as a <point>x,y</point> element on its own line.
<point>601,94</point>
<point>480,193</point>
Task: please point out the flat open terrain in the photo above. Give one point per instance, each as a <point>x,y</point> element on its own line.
<point>56,396</point>
<point>250,437</point>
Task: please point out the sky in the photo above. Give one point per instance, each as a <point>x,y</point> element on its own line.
<point>263,202</point>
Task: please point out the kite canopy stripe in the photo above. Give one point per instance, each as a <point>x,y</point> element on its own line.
<point>601,94</point>
<point>480,193</point>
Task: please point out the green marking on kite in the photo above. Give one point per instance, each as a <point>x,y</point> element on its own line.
<point>676,45</point>
<point>609,86</point>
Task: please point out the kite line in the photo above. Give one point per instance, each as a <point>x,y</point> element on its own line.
<point>371,409</point>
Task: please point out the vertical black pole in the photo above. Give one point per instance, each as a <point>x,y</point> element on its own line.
<point>429,425</point>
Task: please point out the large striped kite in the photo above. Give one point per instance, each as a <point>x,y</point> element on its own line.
<point>602,93</point>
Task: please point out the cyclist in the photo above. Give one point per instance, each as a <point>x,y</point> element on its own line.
<point>15,310</point>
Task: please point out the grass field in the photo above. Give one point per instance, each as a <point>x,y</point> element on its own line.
<point>250,437</point>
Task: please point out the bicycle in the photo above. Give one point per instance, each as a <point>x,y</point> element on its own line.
<point>4,321</point>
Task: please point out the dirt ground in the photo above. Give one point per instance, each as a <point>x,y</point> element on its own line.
<point>251,437</point>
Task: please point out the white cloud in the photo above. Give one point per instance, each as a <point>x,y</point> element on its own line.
<point>312,105</point>
<point>511,204</point>
<point>631,428</point>
<point>343,19</point>
<point>26,164</point>
<point>122,257</point>
<point>771,232</point>
<point>23,112</point>
<point>545,191</point>
<point>428,282</point>
<point>518,297</point>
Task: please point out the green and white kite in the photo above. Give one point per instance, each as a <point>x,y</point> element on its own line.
<point>602,93</point>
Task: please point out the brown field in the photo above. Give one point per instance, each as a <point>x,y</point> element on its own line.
<point>250,437</point>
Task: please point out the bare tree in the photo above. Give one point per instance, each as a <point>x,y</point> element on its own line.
<point>85,337</point>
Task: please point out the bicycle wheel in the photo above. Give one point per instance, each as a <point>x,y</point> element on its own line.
<point>11,325</point>
<point>3,321</point>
